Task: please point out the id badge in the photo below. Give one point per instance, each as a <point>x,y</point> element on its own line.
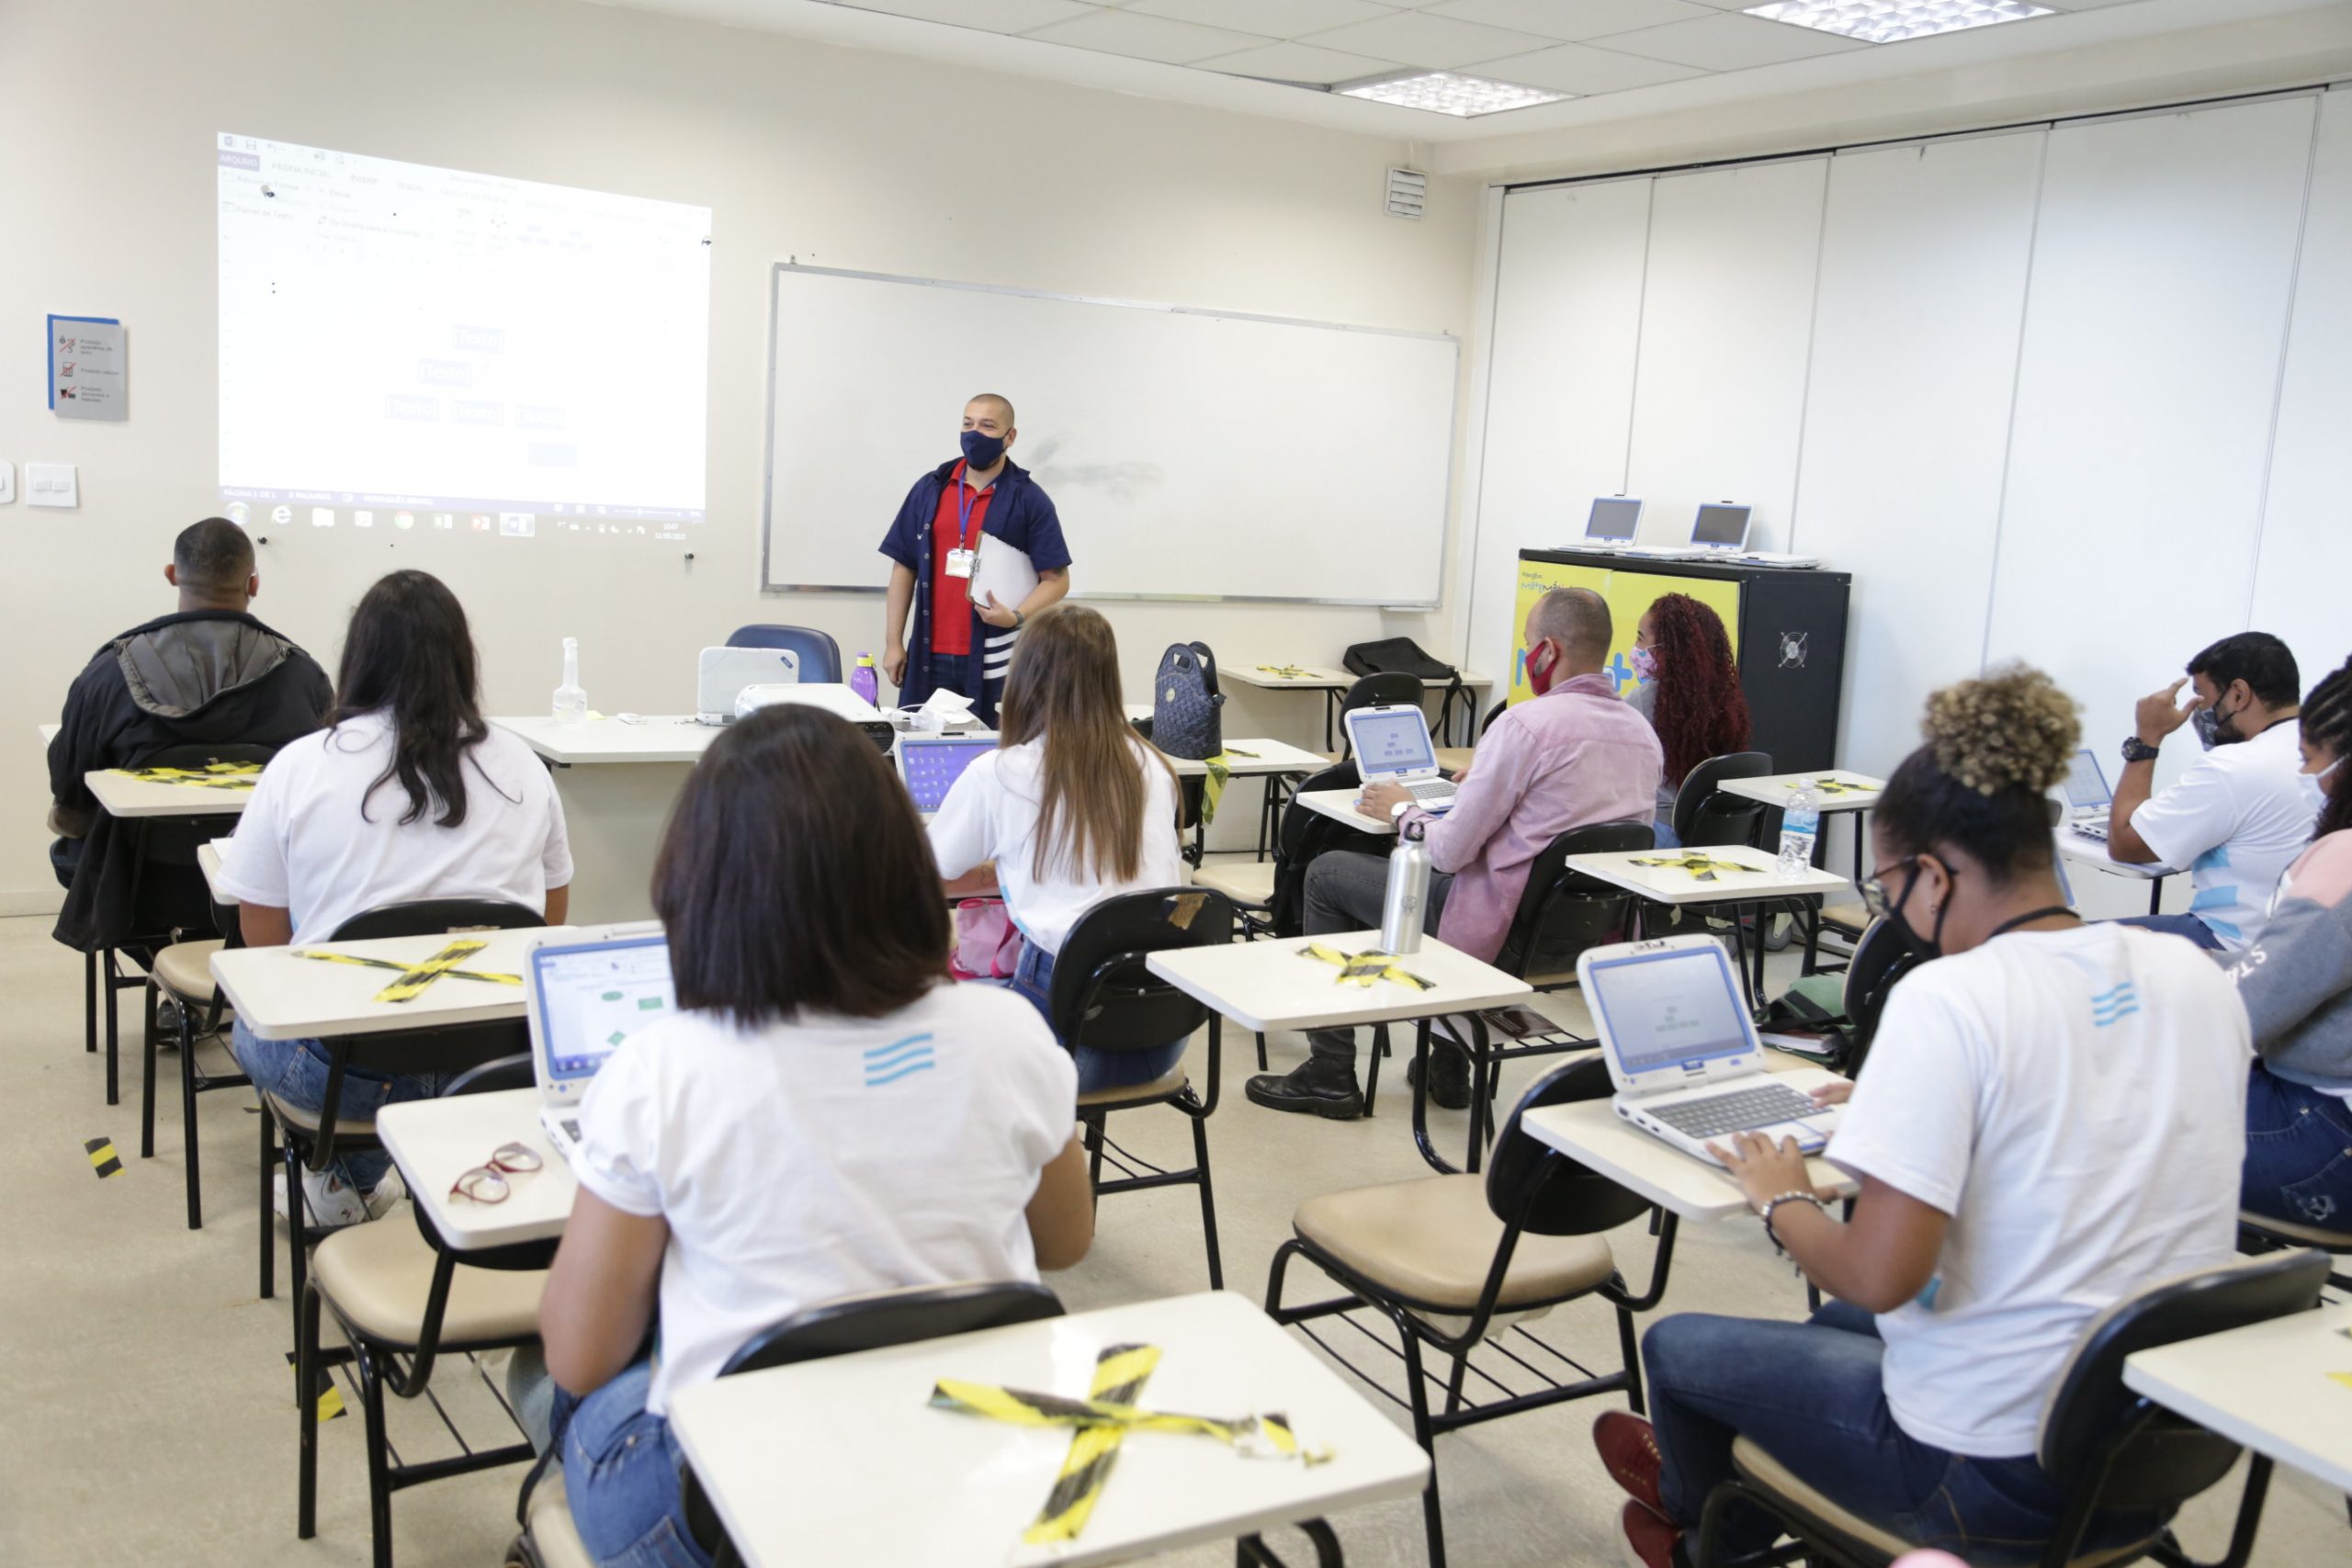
<point>959,562</point>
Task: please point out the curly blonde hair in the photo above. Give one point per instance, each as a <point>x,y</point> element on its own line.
<point>2011,729</point>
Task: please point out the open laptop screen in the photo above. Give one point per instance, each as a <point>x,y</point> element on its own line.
<point>930,765</point>
<point>2085,786</point>
<point>1391,740</point>
<point>595,996</point>
<point>1677,1008</point>
<point>1720,527</point>
<point>1613,518</point>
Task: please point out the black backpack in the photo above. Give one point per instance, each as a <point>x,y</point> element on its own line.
<point>1402,656</point>
<point>1185,702</point>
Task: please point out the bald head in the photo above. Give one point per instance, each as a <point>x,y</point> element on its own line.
<point>212,566</point>
<point>994,404</point>
<point>1579,620</point>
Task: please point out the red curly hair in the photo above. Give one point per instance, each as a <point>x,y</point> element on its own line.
<point>1701,711</point>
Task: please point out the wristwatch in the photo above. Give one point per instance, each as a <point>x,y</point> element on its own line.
<point>1019,620</point>
<point>2138,751</point>
<point>1398,809</point>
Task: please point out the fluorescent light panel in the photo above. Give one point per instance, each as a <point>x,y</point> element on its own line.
<point>1446,91</point>
<point>1886,21</point>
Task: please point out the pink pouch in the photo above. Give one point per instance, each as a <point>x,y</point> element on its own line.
<point>988,944</point>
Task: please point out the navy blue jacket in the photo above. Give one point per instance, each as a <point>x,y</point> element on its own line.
<point>1021,514</point>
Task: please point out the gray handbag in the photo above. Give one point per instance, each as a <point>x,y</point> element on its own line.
<point>1184,703</point>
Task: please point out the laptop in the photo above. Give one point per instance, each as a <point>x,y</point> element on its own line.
<point>1722,527</point>
<point>1683,1050</point>
<point>721,674</point>
<point>1615,521</point>
<point>1393,746</point>
<point>2088,796</point>
<point>585,993</point>
<point>932,763</point>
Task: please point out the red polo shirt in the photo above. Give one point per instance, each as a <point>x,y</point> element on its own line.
<point>951,597</point>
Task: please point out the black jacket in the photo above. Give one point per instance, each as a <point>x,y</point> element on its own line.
<point>195,678</point>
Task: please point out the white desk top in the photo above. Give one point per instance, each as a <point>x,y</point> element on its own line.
<point>1672,885</point>
<point>1592,1133</point>
<point>123,796</point>
<point>2266,1386</point>
<point>48,734</point>
<point>1267,756</point>
<point>844,1460</point>
<point>656,738</point>
<point>435,1141</point>
<point>207,860</point>
<point>1339,805</point>
<point>1318,677</point>
<point>1272,985</point>
<point>1777,789</point>
<point>281,996</point>
<point>2093,853</point>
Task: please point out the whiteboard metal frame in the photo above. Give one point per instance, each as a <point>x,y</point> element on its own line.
<point>767,479</point>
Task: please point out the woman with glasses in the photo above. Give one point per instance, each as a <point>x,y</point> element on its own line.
<point>1688,688</point>
<point>825,1116</point>
<point>2049,1123</point>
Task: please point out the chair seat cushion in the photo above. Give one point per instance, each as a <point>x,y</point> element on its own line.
<point>301,1120</point>
<point>1770,1476</point>
<point>185,969</point>
<point>554,1538</point>
<point>379,1274</point>
<point>1165,1085</point>
<point>1430,1243</point>
<point>1852,918</point>
<point>2321,1237</point>
<point>1243,881</point>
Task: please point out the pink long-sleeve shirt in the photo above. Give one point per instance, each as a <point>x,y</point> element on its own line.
<point>1573,757</point>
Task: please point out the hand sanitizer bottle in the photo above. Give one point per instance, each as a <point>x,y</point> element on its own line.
<point>570,702</point>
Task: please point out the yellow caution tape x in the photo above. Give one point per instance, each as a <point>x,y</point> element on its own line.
<point>212,776</point>
<point>1363,968</point>
<point>1703,868</point>
<point>1283,671</point>
<point>1119,1373</point>
<point>1253,1437</point>
<point>416,978</point>
<point>1220,769</point>
<point>103,1159</point>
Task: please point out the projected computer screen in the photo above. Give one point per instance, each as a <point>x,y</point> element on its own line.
<point>404,346</point>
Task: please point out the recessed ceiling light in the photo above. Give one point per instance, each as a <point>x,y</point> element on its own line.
<point>1444,92</point>
<point>1885,21</point>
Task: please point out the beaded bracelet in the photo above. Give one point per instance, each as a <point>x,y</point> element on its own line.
<point>1773,1203</point>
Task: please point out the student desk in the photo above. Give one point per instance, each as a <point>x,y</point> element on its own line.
<point>2266,1385</point>
<point>207,861</point>
<point>131,798</point>
<point>1339,805</point>
<point>1250,757</point>
<point>1761,883</point>
<point>616,780</point>
<point>435,1141</point>
<point>2093,853</point>
<point>281,996</point>
<point>844,1460</point>
<point>48,734</point>
<point>1333,684</point>
<point>1265,985</point>
<point>1777,790</point>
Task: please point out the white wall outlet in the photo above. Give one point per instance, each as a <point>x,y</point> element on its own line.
<point>51,484</point>
<point>7,481</point>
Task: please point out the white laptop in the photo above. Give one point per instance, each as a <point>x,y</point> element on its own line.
<point>2088,796</point>
<point>586,992</point>
<point>1615,519</point>
<point>1393,746</point>
<point>721,674</point>
<point>932,763</point>
<point>1720,527</point>
<point>1682,1049</point>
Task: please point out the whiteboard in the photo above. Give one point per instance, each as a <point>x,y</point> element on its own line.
<point>1190,453</point>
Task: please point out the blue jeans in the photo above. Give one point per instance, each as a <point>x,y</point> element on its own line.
<point>1662,833</point>
<point>2189,926</point>
<point>296,1071</point>
<point>1033,976</point>
<point>621,1469</point>
<point>1811,1395</point>
<point>2298,1153</point>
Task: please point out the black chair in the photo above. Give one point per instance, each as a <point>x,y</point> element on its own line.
<point>1454,759</point>
<point>1881,958</point>
<point>1445,1258</point>
<point>2266,1233</point>
<point>2108,1447</point>
<point>312,1138</point>
<point>820,655</point>
<point>1389,689</point>
<point>403,1299</point>
<point>1251,884</point>
<point>1104,998</point>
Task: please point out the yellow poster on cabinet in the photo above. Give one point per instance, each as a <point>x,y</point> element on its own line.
<point>1629,594</point>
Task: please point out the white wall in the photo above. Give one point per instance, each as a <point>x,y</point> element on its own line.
<point>832,155</point>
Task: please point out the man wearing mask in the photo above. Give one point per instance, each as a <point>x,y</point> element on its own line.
<point>2240,814</point>
<point>949,521</point>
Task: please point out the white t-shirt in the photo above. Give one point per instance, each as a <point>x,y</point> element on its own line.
<point>2233,821</point>
<point>313,840</point>
<point>810,1160</point>
<point>2075,1102</point>
<point>991,813</point>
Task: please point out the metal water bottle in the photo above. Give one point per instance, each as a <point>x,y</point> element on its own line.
<point>1403,911</point>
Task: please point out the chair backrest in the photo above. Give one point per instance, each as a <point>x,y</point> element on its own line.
<point>493,1077</point>
<point>2091,1422</point>
<point>438,917</point>
<point>1547,1191</point>
<point>1103,998</point>
<point>1881,958</point>
<point>892,1318</point>
<point>1291,831</point>
<point>1562,912</point>
<point>1703,817</point>
<point>820,656</point>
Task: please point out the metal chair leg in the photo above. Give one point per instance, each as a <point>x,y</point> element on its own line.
<point>1208,1201</point>
<point>114,1029</point>
<point>268,1175</point>
<point>147,1083</point>
<point>187,1120</point>
<point>306,1398</point>
<point>90,1002</point>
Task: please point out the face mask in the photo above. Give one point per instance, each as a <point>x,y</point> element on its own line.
<point>2315,786</point>
<point>982,451</point>
<point>1645,664</point>
<point>1541,659</point>
<point>1923,948</point>
<point>2209,723</point>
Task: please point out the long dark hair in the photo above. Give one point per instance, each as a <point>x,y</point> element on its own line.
<point>1701,712</point>
<point>410,657</point>
<point>1995,747</point>
<point>1064,685</point>
<point>795,877</point>
<point>2327,721</point>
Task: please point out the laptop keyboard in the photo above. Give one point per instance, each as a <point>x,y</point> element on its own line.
<point>1432,789</point>
<point>1736,1112</point>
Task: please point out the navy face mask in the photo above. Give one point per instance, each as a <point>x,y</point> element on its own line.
<point>982,451</point>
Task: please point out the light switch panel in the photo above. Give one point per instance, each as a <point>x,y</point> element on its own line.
<point>7,481</point>
<point>51,484</point>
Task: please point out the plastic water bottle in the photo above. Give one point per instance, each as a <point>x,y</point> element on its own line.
<point>570,702</point>
<point>1800,826</point>
<point>864,680</point>
<point>1408,893</point>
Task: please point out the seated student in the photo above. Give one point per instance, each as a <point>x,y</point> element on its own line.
<point>207,674</point>
<point>1073,806</point>
<point>2049,1123</point>
<point>2296,982</point>
<point>1572,756</point>
<point>2234,819</point>
<point>827,1115</point>
<point>407,795</point>
<point>1689,691</point>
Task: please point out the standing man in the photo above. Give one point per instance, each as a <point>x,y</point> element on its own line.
<point>936,541</point>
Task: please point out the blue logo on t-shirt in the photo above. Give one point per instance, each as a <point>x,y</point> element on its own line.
<point>888,1063</point>
<point>2114,1005</point>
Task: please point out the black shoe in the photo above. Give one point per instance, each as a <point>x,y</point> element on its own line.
<point>1312,1088</point>
<point>1449,1078</point>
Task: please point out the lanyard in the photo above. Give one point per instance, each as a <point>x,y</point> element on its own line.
<point>965,497</point>
<point>2029,917</point>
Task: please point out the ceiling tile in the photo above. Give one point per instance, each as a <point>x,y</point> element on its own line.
<point>1273,18</point>
<point>1729,42</point>
<point>1302,62</point>
<point>1571,20</point>
<point>1582,70</point>
<point>1148,38</point>
<point>1439,44</point>
<point>989,16</point>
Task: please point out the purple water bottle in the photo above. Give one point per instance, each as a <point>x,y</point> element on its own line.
<point>863,681</point>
